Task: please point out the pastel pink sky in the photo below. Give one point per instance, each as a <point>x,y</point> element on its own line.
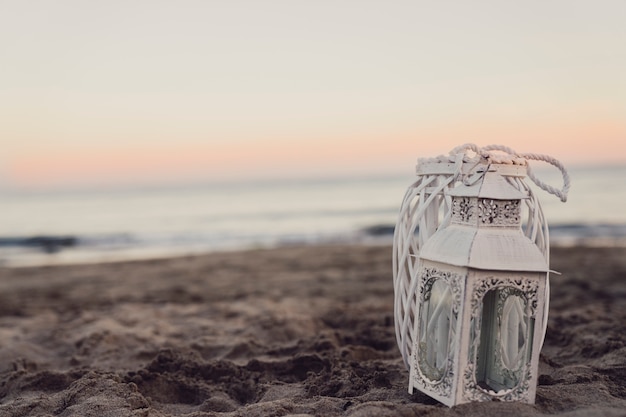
<point>147,91</point>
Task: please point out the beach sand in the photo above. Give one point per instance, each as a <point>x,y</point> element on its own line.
<point>291,331</point>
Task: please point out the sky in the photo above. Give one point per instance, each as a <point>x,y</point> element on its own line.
<point>120,92</point>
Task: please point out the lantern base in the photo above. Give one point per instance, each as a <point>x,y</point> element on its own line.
<point>475,393</point>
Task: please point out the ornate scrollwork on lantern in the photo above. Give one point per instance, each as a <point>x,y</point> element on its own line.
<point>485,211</point>
<point>440,295</point>
<point>463,210</point>
<point>498,212</point>
<point>502,321</point>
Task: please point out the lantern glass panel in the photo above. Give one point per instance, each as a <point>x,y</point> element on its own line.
<point>505,339</point>
<point>437,324</point>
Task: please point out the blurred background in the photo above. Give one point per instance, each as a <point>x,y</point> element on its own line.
<point>153,128</point>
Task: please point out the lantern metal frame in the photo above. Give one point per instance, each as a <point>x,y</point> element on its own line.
<point>427,207</point>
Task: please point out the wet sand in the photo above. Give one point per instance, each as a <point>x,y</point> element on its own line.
<point>292,331</point>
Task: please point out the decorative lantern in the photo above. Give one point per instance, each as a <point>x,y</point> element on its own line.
<point>471,286</point>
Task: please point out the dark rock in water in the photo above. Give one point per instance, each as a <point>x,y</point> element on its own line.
<point>379,230</point>
<point>52,244</point>
<point>48,244</point>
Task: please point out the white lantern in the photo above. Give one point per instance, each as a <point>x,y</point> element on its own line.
<point>472,287</point>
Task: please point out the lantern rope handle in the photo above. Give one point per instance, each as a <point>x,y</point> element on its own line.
<point>512,158</point>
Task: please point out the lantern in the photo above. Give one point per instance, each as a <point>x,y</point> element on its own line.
<point>472,287</point>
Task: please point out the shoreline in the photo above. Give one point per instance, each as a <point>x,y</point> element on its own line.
<point>71,252</point>
<point>297,330</point>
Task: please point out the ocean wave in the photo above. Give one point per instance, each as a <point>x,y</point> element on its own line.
<point>560,234</point>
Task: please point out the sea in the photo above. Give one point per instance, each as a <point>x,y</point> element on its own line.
<point>104,224</point>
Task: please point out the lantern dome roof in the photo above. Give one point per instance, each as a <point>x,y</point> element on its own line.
<point>500,249</point>
<point>490,184</point>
